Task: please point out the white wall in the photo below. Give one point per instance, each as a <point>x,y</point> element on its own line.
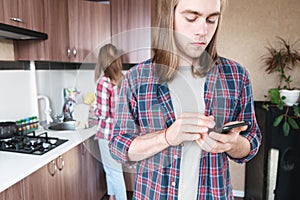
<point>18,95</point>
<point>51,83</point>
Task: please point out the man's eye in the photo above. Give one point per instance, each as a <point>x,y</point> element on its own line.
<point>191,18</point>
<point>212,19</point>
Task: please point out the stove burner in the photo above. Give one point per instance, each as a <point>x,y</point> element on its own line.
<point>30,144</point>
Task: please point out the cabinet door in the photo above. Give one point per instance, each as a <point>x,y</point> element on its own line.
<point>76,29</point>
<point>23,13</point>
<point>56,26</point>
<point>31,49</point>
<point>13,15</point>
<point>131,22</point>
<point>93,176</point>
<point>79,175</point>
<point>89,26</point>
<point>12,193</point>
<point>70,165</point>
<point>42,184</point>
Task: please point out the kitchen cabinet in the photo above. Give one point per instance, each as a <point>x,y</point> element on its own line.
<point>131,23</point>
<point>76,29</point>
<point>74,175</point>
<point>80,177</point>
<point>12,193</point>
<point>92,172</point>
<point>23,13</point>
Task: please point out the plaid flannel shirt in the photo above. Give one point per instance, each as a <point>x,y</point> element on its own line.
<point>145,106</point>
<point>105,107</point>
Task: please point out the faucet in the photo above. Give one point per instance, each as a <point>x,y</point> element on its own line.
<point>47,109</point>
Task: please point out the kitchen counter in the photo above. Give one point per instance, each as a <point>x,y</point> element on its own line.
<point>16,166</point>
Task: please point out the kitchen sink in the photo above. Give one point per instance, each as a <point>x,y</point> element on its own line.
<point>61,126</point>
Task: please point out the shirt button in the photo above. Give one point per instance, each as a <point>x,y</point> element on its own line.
<point>173,184</point>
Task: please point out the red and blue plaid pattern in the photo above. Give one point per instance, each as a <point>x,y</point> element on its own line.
<point>145,106</point>
<point>105,107</point>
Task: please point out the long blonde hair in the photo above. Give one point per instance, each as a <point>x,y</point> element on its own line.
<point>163,43</point>
<point>109,64</point>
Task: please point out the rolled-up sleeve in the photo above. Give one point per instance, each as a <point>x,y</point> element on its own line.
<point>126,127</point>
<point>247,113</point>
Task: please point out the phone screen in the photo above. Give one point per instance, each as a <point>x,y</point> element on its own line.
<point>227,128</point>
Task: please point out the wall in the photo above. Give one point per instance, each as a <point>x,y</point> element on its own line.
<point>249,26</point>
<point>18,94</point>
<point>51,84</point>
<point>6,50</point>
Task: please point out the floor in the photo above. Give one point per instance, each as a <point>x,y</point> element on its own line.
<point>129,197</point>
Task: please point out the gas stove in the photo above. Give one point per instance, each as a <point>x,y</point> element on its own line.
<point>31,143</point>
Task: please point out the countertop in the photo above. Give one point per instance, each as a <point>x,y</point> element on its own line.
<point>16,166</point>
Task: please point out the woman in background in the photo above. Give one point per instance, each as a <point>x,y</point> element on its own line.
<point>108,75</point>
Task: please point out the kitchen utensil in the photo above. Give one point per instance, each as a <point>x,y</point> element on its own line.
<point>7,129</point>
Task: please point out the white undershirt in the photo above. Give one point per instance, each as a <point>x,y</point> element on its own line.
<point>187,94</point>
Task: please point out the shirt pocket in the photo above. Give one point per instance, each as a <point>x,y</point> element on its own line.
<point>223,108</point>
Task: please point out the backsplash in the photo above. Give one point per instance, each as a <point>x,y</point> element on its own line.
<point>20,86</point>
<point>18,94</point>
<point>52,82</point>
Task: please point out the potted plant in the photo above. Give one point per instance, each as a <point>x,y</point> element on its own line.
<point>280,60</point>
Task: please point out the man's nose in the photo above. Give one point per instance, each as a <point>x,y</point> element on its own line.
<point>201,27</point>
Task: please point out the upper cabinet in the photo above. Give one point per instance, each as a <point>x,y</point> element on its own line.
<point>131,28</point>
<point>76,29</point>
<point>23,13</point>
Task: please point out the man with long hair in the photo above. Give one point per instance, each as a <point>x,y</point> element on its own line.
<point>172,106</point>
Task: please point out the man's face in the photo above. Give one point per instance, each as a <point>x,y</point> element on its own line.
<point>195,23</point>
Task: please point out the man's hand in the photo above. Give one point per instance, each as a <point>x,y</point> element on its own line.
<point>189,126</point>
<point>217,143</point>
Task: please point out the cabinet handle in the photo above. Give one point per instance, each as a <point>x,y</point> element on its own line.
<point>52,168</point>
<point>15,19</point>
<point>83,149</point>
<point>60,163</point>
<point>69,52</point>
<point>75,52</point>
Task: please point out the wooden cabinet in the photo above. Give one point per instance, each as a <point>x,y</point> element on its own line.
<point>74,175</point>
<point>23,13</point>
<point>76,30</point>
<point>131,33</point>
<point>89,29</point>
<point>92,172</point>
<point>12,193</point>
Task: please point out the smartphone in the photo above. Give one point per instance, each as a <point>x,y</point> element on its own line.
<point>227,128</point>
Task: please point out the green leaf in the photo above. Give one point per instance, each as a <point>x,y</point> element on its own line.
<point>286,129</point>
<point>297,111</point>
<point>280,105</point>
<point>274,95</point>
<point>277,120</point>
<point>293,123</point>
<point>266,107</point>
